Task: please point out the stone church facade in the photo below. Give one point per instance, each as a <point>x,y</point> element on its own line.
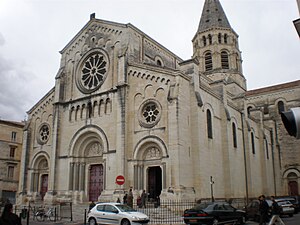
<point>123,104</point>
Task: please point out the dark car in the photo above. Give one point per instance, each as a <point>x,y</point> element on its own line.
<point>252,210</point>
<point>295,200</point>
<point>211,213</point>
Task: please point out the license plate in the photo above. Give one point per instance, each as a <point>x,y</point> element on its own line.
<point>193,221</point>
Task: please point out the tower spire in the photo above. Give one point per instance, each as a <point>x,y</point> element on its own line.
<point>213,16</point>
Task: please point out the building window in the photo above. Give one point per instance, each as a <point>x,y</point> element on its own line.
<point>208,62</point>
<point>13,136</point>
<point>149,113</point>
<point>204,40</point>
<point>219,38</point>
<point>210,39</point>
<point>224,60</point>
<point>10,172</point>
<point>267,148</point>
<point>249,110</point>
<point>234,135</point>
<point>225,38</point>
<point>253,143</point>
<point>209,124</point>
<point>12,152</point>
<point>280,106</point>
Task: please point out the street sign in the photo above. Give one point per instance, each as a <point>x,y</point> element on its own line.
<point>120,180</point>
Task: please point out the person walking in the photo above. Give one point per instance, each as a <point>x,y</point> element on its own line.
<point>276,210</point>
<point>8,217</point>
<point>143,199</point>
<point>130,198</point>
<point>263,210</point>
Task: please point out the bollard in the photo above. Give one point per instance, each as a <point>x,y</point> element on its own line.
<point>84,220</point>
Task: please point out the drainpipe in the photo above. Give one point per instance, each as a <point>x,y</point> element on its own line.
<point>273,163</point>
<point>245,159</point>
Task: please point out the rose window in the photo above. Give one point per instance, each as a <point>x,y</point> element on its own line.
<point>150,112</point>
<point>44,134</point>
<point>93,72</point>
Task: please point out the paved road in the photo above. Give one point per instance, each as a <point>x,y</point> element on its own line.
<point>295,220</point>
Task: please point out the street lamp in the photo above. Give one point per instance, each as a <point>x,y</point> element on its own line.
<point>211,188</point>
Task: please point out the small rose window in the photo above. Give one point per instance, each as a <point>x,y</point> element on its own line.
<point>149,113</point>
<point>43,134</point>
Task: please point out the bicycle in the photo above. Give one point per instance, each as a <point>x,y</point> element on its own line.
<point>41,215</point>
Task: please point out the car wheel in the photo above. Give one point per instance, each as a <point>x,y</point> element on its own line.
<point>92,221</point>
<point>242,220</point>
<point>125,222</point>
<point>215,221</point>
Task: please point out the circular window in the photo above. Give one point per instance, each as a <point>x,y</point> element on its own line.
<point>149,113</point>
<point>43,134</point>
<point>92,72</point>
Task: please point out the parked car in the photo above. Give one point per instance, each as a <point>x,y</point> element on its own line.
<point>295,200</point>
<point>252,210</point>
<point>115,213</point>
<point>211,213</point>
<point>287,207</point>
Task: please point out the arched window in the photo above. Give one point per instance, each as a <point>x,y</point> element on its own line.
<point>280,106</point>
<point>249,110</point>
<point>209,124</point>
<point>210,39</point>
<point>158,62</point>
<point>224,60</point>
<point>89,110</point>
<point>253,143</point>
<point>219,38</point>
<point>234,138</point>
<point>267,148</point>
<point>225,38</point>
<point>204,40</point>
<point>208,61</point>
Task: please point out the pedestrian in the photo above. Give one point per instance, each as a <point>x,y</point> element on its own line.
<point>130,198</point>
<point>91,205</point>
<point>276,210</point>
<point>125,198</point>
<point>143,199</point>
<point>8,217</point>
<point>263,210</point>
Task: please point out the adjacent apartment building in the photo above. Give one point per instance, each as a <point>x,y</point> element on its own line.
<point>11,135</point>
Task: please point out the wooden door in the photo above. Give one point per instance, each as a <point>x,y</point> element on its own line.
<point>44,185</point>
<point>95,182</point>
<point>293,188</point>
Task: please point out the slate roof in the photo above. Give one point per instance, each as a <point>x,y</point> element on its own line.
<point>213,16</point>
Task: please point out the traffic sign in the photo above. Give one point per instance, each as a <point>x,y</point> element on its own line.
<point>120,180</point>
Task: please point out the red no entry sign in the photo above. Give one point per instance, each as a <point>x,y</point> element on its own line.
<point>120,180</point>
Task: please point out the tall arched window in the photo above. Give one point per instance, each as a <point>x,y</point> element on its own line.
<point>219,38</point>
<point>267,148</point>
<point>280,106</point>
<point>224,60</point>
<point>210,39</point>
<point>253,142</point>
<point>208,62</point>
<point>204,40</point>
<point>249,110</point>
<point>234,138</point>
<point>225,38</point>
<point>209,124</point>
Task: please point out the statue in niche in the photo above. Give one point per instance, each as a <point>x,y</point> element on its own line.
<point>95,150</point>
<point>152,153</point>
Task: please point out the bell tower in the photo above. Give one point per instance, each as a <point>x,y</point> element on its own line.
<point>215,46</point>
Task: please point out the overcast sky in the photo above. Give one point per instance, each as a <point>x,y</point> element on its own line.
<point>32,32</point>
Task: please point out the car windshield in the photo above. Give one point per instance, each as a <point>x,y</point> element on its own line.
<point>125,208</point>
<point>204,205</point>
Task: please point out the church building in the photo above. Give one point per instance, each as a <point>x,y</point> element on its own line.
<point>125,105</point>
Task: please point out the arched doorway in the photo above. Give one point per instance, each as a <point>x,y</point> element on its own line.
<point>95,182</point>
<point>154,181</point>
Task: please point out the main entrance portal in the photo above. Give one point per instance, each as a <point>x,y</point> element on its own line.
<point>154,181</point>
<point>96,182</point>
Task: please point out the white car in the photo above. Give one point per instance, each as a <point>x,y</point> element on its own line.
<point>287,207</point>
<point>115,213</point>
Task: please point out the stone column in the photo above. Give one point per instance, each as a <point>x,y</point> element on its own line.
<point>71,174</point>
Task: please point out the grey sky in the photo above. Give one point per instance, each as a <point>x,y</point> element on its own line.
<point>32,33</point>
